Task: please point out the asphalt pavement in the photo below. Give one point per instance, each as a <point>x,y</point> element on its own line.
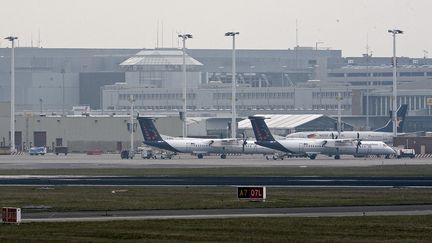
<point>229,213</point>
<point>83,161</point>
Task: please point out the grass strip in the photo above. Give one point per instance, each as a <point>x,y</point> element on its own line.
<point>346,229</point>
<point>145,198</point>
<point>381,170</point>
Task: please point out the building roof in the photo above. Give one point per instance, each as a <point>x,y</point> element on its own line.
<point>171,57</point>
<point>282,121</point>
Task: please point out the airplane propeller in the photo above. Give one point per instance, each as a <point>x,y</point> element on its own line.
<point>244,142</point>
<point>358,143</point>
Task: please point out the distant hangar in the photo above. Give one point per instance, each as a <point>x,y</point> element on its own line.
<point>283,125</point>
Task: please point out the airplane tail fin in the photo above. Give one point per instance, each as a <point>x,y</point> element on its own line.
<point>148,129</point>
<point>401,113</point>
<point>261,131</point>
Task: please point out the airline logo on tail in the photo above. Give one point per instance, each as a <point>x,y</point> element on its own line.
<point>152,136</point>
<point>148,129</point>
<point>398,121</point>
<point>262,133</point>
<point>263,136</point>
<point>400,117</point>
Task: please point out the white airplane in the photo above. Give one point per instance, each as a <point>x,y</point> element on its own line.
<point>199,146</point>
<point>313,147</point>
<point>384,134</point>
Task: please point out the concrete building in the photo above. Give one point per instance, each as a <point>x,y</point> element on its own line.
<point>294,81</point>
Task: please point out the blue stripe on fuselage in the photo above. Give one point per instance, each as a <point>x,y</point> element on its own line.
<point>162,145</point>
<point>274,145</point>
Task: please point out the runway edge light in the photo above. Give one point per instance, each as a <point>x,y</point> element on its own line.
<point>252,193</point>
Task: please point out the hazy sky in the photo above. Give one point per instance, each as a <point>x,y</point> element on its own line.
<point>270,24</point>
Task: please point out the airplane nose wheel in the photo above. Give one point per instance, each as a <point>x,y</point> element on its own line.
<point>223,156</point>
<point>337,157</point>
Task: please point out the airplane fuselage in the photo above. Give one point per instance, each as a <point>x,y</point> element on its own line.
<point>210,146</point>
<point>386,137</point>
<point>329,147</point>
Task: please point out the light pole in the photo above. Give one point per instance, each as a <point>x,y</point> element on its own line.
<point>12,121</point>
<point>40,105</point>
<point>394,32</point>
<point>131,126</point>
<point>283,76</point>
<point>233,81</point>
<point>367,87</point>
<point>184,37</point>
<point>339,121</point>
<point>63,91</point>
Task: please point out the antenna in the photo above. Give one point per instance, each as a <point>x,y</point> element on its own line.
<point>172,38</point>
<point>39,39</point>
<point>367,43</point>
<point>297,34</point>
<point>157,34</point>
<point>162,35</point>
<point>178,40</point>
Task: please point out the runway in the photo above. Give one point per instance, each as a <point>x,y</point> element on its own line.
<point>275,181</point>
<point>229,213</point>
<point>83,161</point>
<point>110,161</point>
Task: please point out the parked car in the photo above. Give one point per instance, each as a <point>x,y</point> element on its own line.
<point>38,150</point>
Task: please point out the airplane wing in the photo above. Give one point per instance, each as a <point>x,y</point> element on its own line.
<point>225,142</point>
<point>334,143</point>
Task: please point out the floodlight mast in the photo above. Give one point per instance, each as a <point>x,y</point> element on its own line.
<point>12,121</point>
<point>184,37</point>
<point>131,99</point>
<point>234,83</point>
<point>394,32</point>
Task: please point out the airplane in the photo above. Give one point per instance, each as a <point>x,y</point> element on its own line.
<point>384,134</point>
<point>312,147</point>
<point>200,146</point>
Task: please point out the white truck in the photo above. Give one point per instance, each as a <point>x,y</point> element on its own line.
<point>405,153</point>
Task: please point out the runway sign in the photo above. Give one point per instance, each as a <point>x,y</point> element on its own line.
<point>251,193</point>
<point>11,215</point>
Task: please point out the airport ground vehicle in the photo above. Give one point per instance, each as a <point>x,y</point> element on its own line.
<point>38,150</point>
<point>61,150</point>
<point>405,153</point>
<point>124,154</point>
<point>156,154</point>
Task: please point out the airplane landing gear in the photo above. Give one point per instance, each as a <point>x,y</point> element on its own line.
<point>337,157</point>
<point>223,156</point>
<point>200,156</point>
<point>312,156</point>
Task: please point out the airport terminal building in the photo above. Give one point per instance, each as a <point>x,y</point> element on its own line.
<point>51,82</point>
